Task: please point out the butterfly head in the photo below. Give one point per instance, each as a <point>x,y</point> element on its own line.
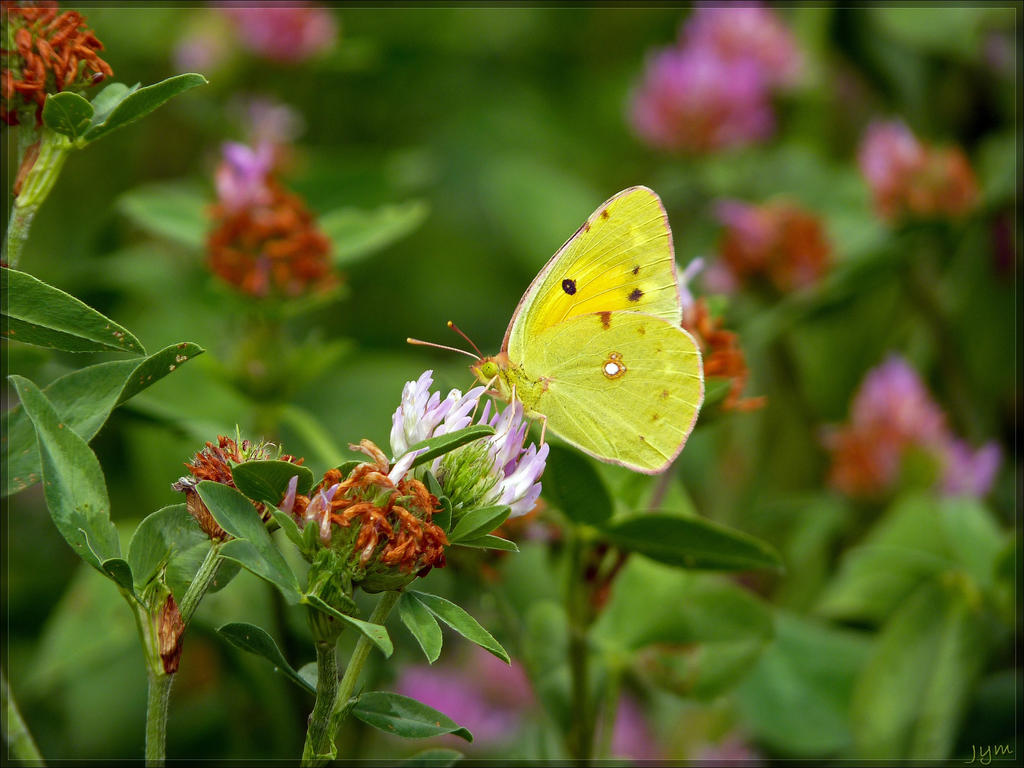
<point>487,369</point>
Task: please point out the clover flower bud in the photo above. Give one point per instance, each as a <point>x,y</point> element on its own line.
<point>214,463</point>
<point>496,470</point>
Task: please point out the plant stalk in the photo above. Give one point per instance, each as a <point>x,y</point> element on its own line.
<point>580,739</point>
<point>157,704</point>
<point>16,734</point>
<point>36,185</point>
<point>201,582</point>
<point>319,747</point>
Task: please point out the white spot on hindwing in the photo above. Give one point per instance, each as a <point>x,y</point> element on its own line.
<point>613,367</point>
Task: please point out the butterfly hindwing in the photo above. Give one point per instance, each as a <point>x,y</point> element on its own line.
<point>620,259</point>
<point>622,386</point>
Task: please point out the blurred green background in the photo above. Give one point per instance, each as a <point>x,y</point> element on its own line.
<point>510,123</point>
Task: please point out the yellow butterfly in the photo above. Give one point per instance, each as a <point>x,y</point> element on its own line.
<point>595,348</point>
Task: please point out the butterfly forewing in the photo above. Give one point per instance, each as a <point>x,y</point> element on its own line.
<point>620,259</point>
<point>623,386</point>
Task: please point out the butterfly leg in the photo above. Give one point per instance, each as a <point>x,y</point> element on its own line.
<point>487,391</point>
<point>543,428</point>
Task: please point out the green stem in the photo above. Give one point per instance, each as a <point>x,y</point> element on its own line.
<point>920,278</point>
<point>580,739</point>
<point>200,583</point>
<point>157,704</point>
<point>359,655</point>
<point>610,711</point>
<point>331,698</point>
<point>319,747</point>
<point>16,734</point>
<point>53,151</point>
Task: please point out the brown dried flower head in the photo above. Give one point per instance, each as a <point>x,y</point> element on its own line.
<point>214,463</point>
<point>382,517</point>
<point>723,357</point>
<point>45,51</point>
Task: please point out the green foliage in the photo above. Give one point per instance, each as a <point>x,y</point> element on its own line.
<point>422,624</point>
<point>175,212</point>
<point>267,481</point>
<point>121,107</point>
<point>67,113</point>
<point>37,313</point>
<point>162,536</point>
<point>251,546</point>
<point>478,523</point>
<point>456,618</point>
<point>402,716</point>
<point>690,542</point>
<point>76,493</point>
<point>438,446</point>
<point>251,638</point>
<point>84,399</point>
<point>356,234</point>
<point>571,482</point>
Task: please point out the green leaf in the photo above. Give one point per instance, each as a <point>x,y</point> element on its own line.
<point>438,446</point>
<point>461,622</point>
<point>402,716</point>
<point>108,98</point>
<point>356,234</point>
<point>139,103</point>
<point>439,758</point>
<point>67,113</point>
<point>918,537</point>
<point>175,212</point>
<point>251,638</point>
<point>289,526</point>
<point>73,483</point>
<point>572,483</point>
<point>159,537</point>
<point>678,608</point>
<point>545,656</point>
<point>267,481</point>
<point>796,699</point>
<point>422,624</point>
<point>913,690</point>
<point>120,573</point>
<point>374,632</point>
<point>478,522</point>
<point>83,399</point>
<point>690,542</point>
<point>490,542</point>
<point>37,313</point>
<point>252,547</point>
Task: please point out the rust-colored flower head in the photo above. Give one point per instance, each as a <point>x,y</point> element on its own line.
<point>377,521</point>
<point>214,463</point>
<point>722,355</point>
<point>779,242</point>
<point>910,179</point>
<point>264,242</point>
<point>45,51</point>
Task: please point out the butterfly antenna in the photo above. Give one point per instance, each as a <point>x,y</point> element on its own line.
<point>420,343</point>
<point>458,330</point>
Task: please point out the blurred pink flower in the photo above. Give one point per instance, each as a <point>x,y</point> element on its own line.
<point>632,736</point>
<point>691,100</point>
<point>893,413</point>
<point>907,177</point>
<point>285,32</point>
<point>200,51</point>
<point>268,120</point>
<point>241,178</point>
<point>779,242</point>
<point>484,694</point>
<point>746,32</point>
<point>732,750</point>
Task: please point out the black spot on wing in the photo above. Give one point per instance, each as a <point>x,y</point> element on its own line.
<point>636,294</point>
<point>569,286</point>
<point>636,270</point>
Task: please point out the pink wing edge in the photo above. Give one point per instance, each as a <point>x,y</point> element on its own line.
<point>550,264</point>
